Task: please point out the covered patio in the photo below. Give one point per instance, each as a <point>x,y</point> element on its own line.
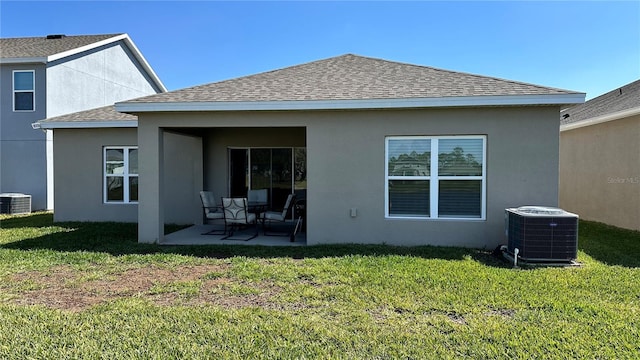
<point>227,161</point>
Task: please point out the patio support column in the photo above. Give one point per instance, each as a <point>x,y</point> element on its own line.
<point>151,175</point>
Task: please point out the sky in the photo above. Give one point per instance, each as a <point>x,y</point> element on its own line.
<point>586,46</point>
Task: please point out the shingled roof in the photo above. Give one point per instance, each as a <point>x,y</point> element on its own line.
<point>349,77</point>
<point>624,98</point>
<point>40,47</point>
<point>105,116</point>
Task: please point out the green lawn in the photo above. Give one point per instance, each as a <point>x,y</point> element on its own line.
<point>87,290</point>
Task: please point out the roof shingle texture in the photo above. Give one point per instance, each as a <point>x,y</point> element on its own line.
<point>29,47</point>
<point>350,77</point>
<point>105,113</point>
<point>624,98</point>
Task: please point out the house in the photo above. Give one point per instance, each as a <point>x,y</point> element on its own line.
<point>383,152</point>
<point>600,158</point>
<point>43,77</point>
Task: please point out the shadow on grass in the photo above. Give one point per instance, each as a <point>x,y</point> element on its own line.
<point>121,239</point>
<point>609,244</point>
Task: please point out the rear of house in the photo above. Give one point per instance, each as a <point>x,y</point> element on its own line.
<point>382,152</point>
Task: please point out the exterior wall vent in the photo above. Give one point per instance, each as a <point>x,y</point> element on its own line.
<point>541,234</point>
<point>12,203</point>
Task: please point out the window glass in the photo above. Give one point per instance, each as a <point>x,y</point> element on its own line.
<point>260,169</point>
<point>133,188</point>
<point>23,80</point>
<point>411,157</point>
<point>300,168</point>
<point>460,157</point>
<point>460,198</point>
<point>409,197</point>
<point>23,101</point>
<point>133,161</point>
<point>115,161</point>
<point>115,188</point>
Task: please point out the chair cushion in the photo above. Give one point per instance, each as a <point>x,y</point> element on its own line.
<point>215,215</point>
<point>272,215</point>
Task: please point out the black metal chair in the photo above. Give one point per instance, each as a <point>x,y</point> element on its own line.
<point>212,212</point>
<point>237,216</point>
<point>270,217</point>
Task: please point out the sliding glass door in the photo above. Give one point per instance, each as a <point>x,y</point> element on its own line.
<point>281,171</point>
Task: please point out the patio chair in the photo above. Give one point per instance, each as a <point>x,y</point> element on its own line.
<point>270,217</point>
<point>212,212</point>
<point>237,216</point>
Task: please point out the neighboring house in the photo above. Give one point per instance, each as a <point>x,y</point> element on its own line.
<point>600,158</point>
<point>43,77</point>
<point>383,152</point>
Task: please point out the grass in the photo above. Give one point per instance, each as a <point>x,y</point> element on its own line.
<point>89,290</point>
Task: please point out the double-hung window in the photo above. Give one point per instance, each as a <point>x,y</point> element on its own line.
<point>121,174</point>
<point>435,177</point>
<point>24,90</point>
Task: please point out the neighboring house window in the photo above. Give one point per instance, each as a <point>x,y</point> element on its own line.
<point>435,177</point>
<point>24,90</point>
<point>121,174</point>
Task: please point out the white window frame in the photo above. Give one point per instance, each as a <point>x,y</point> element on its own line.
<point>13,94</point>
<point>434,178</point>
<point>125,175</point>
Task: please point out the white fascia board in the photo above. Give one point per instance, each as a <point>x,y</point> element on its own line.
<point>85,124</point>
<point>144,63</point>
<point>456,101</point>
<point>24,60</point>
<point>127,40</point>
<point>601,119</point>
<point>88,47</point>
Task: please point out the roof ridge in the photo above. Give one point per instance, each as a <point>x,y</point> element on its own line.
<point>468,74</point>
<point>65,35</point>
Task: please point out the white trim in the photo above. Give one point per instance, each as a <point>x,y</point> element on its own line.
<point>601,119</point>
<point>87,47</point>
<point>452,101</point>
<point>144,63</point>
<point>14,91</point>
<point>434,179</point>
<point>85,124</point>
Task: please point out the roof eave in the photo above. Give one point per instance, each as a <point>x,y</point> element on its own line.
<point>454,101</point>
<point>47,125</point>
<point>601,119</point>
<point>24,60</point>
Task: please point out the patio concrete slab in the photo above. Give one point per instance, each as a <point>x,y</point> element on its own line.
<point>194,236</point>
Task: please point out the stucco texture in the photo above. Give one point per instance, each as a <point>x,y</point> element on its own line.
<point>600,172</point>
<point>346,164</point>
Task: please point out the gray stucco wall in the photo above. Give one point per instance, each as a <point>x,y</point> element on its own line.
<point>79,176</point>
<point>600,172</point>
<point>183,180</point>
<point>345,168</point>
<point>23,162</point>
